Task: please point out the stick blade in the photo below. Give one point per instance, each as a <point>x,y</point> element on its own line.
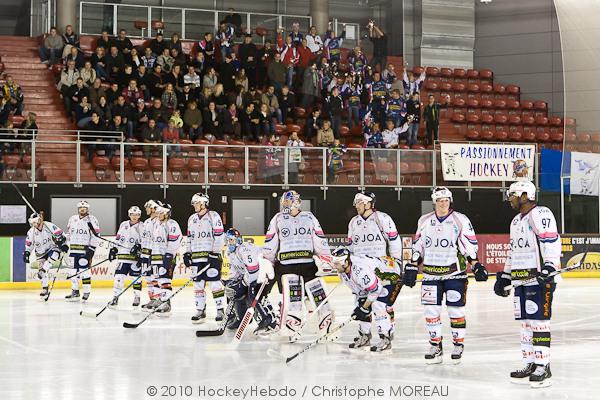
<point>287,360</point>
<point>131,326</point>
<point>88,314</point>
<point>239,334</point>
<point>216,332</point>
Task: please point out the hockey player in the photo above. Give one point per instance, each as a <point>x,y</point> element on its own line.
<point>146,244</point>
<point>535,250</point>
<point>244,263</point>
<point>166,239</point>
<point>293,238</point>
<point>82,246</point>
<point>205,241</point>
<point>47,241</point>
<point>445,243</point>
<point>371,297</point>
<point>129,237</point>
<point>373,233</point>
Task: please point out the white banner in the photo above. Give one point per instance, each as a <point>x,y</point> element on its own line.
<point>13,214</point>
<point>585,173</point>
<point>487,162</point>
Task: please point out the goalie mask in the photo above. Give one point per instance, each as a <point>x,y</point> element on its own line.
<point>290,201</point>
<point>233,239</point>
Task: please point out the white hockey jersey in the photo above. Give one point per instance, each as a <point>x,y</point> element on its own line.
<point>534,241</point>
<point>374,236</point>
<point>128,236</point>
<point>166,239</point>
<point>146,241</point>
<point>204,235</point>
<point>439,241</point>
<point>361,279</point>
<point>41,241</point>
<point>79,235</point>
<point>294,239</point>
<point>243,263</point>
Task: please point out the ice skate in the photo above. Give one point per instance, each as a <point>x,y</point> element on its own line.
<point>199,317</point>
<point>541,377</point>
<point>220,315</point>
<point>136,301</point>
<point>164,308</point>
<point>74,296</point>
<point>457,353</point>
<point>521,376</point>
<point>362,340</point>
<point>44,292</point>
<point>385,345</point>
<point>434,356</point>
<point>85,297</point>
<point>113,303</point>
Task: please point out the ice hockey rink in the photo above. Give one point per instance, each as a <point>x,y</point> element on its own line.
<point>49,351</point>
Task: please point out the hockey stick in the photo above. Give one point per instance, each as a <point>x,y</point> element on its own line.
<point>319,340</point>
<point>55,275</point>
<point>93,231</point>
<point>445,278</point>
<point>133,326</point>
<point>87,269</point>
<point>221,329</point>
<point>533,280</point>
<point>95,315</point>
<point>297,333</point>
<point>239,334</point>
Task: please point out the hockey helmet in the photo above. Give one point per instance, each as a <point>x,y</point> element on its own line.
<point>366,197</point>
<point>289,200</point>
<point>520,187</point>
<point>83,204</point>
<point>441,192</point>
<point>200,198</point>
<point>340,255</point>
<point>163,208</point>
<point>150,204</point>
<point>34,219</point>
<point>134,210</point>
<point>233,239</point>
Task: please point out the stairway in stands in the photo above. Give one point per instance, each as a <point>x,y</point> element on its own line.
<point>19,58</point>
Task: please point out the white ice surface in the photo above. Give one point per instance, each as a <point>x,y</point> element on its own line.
<point>48,351</point>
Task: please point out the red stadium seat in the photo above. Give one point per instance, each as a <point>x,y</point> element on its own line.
<point>513,89</point>
<point>432,71</point>
<point>498,88</point>
<point>486,74</point>
<point>472,135</point>
<point>446,72</point>
<point>472,74</point>
<point>459,73</point>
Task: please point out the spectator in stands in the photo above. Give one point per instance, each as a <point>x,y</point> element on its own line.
<point>51,49</point>
<point>103,108</point>
<point>396,108</point>
<point>171,134</point>
<point>165,60</point>
<point>241,79</point>
<point>276,72</point>
<point>4,111</point>
<point>310,85</point>
<point>139,118</point>
<point>116,125</point>
<point>68,78</point>
<point>151,133</point>
<point>115,63</point>
<point>192,78</point>
<point>176,119</point>
<point>125,76</point>
<point>325,135</point>
<point>104,40</point>
<point>265,122</point>
<point>157,45</point>
<point>390,135</point>
<point>287,102</point>
<point>389,75</point>
<point>273,160</point>
<point>431,115</point>
<point>253,96</point>
<point>132,93</point>
<point>175,43</point>
<point>120,107</point>
<point>248,53</point>
<point>88,74</point>
<point>212,120</point>
<point>294,157</point>
<point>185,97</point>
<point>265,55</point>
<point>9,132</point>
<point>199,64</point>
<point>219,98</point>
<point>204,99</point>
<point>357,60</point>
<point>238,97</point>
<point>379,40</point>
<point>305,56</point>
<point>74,95</point>
<point>96,127</point>
<point>334,105</point>
<point>99,63</point>
<point>314,42</point>
<point>296,35</point>
<point>179,57</point>
<point>225,38</point>
<point>175,77</point>
<point>231,125</point>
<point>373,137</point>
<point>30,130</point>
<point>13,95</point>
<point>335,162</point>
<point>207,46</point>
<point>76,56</point>
<point>332,45</point>
<point>169,97</point>
<point>159,113</point>
<point>249,122</point>
<point>123,43</point>
<point>210,79</point>
<point>141,77</point>
<point>234,19</point>
<point>192,121</point>
<point>413,107</point>
<point>83,113</point>
<point>133,59</point>
<point>270,100</point>
<point>149,58</point>
<point>227,73</point>
<point>412,84</point>
<point>353,98</point>
<point>289,55</point>
<point>313,124</point>
<point>96,91</point>
<point>113,93</point>
<point>156,85</point>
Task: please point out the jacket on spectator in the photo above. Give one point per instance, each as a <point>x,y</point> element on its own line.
<point>276,72</point>
<point>68,77</point>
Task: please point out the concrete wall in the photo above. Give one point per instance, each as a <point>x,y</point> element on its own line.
<point>520,41</point>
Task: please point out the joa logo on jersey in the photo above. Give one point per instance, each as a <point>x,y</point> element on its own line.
<point>444,243</point>
<point>285,232</point>
<point>369,237</point>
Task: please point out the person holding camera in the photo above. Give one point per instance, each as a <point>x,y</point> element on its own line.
<point>379,40</point>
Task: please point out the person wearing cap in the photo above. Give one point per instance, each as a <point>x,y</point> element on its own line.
<point>82,246</point>
<point>444,246</point>
<point>534,256</point>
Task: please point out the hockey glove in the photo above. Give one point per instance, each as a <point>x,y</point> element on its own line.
<point>187,259</point>
<point>410,275</point>
<point>136,250</point>
<point>481,273</point>
<point>26,255</point>
<point>265,270</point>
<point>112,254</point>
<point>502,280</point>
<point>362,314</point>
<point>168,261</point>
<point>89,253</point>
<point>544,275</point>
<point>64,248</point>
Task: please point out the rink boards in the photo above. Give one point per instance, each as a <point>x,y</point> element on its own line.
<point>493,249</point>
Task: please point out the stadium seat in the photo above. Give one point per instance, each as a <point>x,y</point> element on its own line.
<point>498,88</point>
<point>215,170</point>
<point>446,73</point>
<point>176,165</point>
<point>486,74</point>
<point>540,105</point>
<point>487,118</point>
<point>156,166</point>
<point>472,135</point>
<point>458,117</point>
<point>432,71</point>
<point>139,166</point>
<point>501,135</point>
<point>459,73</point>
<point>499,104</point>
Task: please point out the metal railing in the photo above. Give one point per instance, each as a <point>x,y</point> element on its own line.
<point>42,16</point>
<point>189,23</point>
<point>121,163</point>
